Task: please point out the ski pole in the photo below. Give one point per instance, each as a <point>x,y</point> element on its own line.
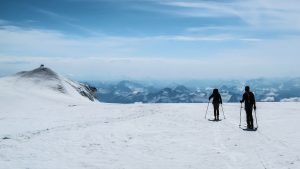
<point>206,110</point>
<point>223,111</point>
<point>241,115</point>
<point>256,118</point>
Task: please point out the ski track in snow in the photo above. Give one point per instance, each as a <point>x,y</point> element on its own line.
<point>150,136</point>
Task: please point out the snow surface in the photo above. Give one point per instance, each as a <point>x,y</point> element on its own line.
<point>46,129</point>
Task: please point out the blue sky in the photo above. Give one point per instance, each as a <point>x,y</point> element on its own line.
<point>139,39</point>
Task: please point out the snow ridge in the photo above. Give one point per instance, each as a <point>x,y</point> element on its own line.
<point>45,81</point>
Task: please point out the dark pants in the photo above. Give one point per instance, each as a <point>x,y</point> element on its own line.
<point>216,110</point>
<point>249,117</point>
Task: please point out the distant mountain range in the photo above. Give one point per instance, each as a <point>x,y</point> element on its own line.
<point>265,90</point>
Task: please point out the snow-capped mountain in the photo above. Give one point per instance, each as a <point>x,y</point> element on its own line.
<point>44,81</point>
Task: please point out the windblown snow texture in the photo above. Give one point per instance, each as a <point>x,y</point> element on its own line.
<point>45,80</point>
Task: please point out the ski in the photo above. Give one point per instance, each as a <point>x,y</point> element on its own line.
<point>247,129</point>
<point>214,120</point>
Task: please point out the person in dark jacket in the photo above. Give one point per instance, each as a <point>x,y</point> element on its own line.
<point>249,99</point>
<point>217,100</point>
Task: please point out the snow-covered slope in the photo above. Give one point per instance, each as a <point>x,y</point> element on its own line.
<point>53,129</point>
<point>45,83</point>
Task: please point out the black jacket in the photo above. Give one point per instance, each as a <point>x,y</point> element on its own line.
<point>217,99</point>
<point>249,99</point>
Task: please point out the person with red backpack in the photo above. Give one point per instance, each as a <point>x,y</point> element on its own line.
<point>217,100</point>
<point>250,104</point>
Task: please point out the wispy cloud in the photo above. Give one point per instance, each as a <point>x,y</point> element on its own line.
<point>197,38</point>
<point>4,22</point>
<point>40,42</point>
<point>202,8</point>
<point>256,13</point>
<point>231,64</point>
<point>55,15</point>
<point>68,21</point>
